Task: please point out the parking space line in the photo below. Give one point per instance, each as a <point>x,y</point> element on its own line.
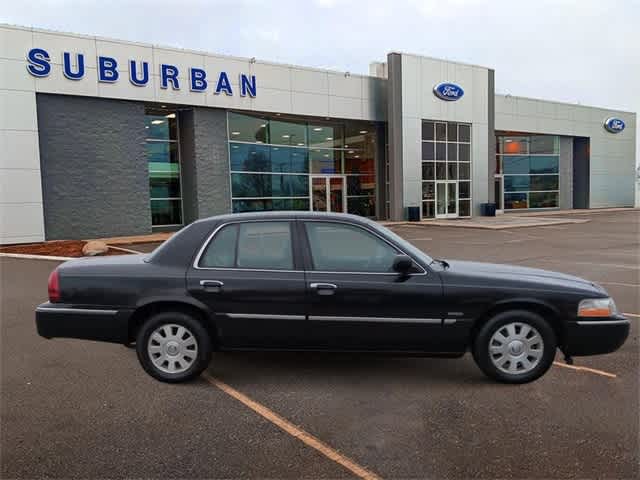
<point>292,430</point>
<point>632,315</point>
<point>586,369</point>
<point>618,284</point>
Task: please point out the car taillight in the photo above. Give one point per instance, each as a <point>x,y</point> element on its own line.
<point>54,287</point>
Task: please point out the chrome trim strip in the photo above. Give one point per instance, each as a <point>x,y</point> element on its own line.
<point>86,311</point>
<point>585,323</point>
<point>449,321</point>
<point>260,316</point>
<point>323,318</point>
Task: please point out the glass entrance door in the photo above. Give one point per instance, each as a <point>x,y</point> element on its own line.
<point>327,193</point>
<point>447,199</point>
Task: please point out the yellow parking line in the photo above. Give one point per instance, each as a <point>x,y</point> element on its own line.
<point>586,369</point>
<point>292,430</point>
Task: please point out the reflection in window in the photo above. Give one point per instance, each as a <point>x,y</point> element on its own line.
<point>265,245</point>
<point>292,148</point>
<point>530,165</point>
<point>161,147</point>
<point>339,247</point>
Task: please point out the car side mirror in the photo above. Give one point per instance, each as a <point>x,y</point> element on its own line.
<point>402,264</point>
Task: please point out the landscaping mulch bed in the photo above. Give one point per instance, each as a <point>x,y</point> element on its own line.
<point>56,248</point>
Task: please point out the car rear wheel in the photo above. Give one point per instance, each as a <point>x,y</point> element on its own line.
<point>515,347</point>
<point>173,347</point>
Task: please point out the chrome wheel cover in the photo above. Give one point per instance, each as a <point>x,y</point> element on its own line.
<point>516,348</point>
<point>172,348</point>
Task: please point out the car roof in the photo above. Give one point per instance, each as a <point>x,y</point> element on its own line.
<point>286,215</point>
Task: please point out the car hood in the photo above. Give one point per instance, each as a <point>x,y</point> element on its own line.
<point>534,276</point>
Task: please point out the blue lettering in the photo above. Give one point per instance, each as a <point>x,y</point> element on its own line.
<point>67,67</point>
<point>247,85</point>
<point>39,65</point>
<point>107,69</point>
<point>198,82</point>
<point>133,73</point>
<point>169,73</point>
<point>224,84</point>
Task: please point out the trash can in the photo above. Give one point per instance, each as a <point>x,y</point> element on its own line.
<point>488,209</point>
<point>413,214</point>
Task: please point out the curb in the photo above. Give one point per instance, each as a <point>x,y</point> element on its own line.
<point>26,256</point>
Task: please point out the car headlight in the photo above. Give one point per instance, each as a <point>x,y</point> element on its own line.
<point>597,307</point>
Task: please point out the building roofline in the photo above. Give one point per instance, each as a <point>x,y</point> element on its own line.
<point>573,104</point>
<point>465,64</point>
<point>183,50</point>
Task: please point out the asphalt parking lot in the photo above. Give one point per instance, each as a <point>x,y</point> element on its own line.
<point>74,409</point>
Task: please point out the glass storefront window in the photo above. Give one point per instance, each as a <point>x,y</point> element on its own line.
<point>530,169</point>
<point>272,158</point>
<point>288,133</point>
<point>161,126</point>
<point>246,128</point>
<point>325,161</point>
<point>269,185</point>
<point>163,160</point>
<point>540,144</point>
<point>446,157</point>
<point>246,157</point>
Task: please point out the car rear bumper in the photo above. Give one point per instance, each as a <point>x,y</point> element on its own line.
<point>594,336</point>
<point>67,321</point>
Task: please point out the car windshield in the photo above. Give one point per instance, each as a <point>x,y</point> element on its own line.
<point>404,245</point>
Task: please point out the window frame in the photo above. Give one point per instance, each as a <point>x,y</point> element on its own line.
<point>295,250</point>
<point>308,256</point>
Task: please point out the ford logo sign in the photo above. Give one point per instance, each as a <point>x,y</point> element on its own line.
<point>614,125</point>
<point>448,91</point>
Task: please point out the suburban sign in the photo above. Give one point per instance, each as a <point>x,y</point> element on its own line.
<point>614,125</point>
<point>109,71</point>
<point>448,91</point>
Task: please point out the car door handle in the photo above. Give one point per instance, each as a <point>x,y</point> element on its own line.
<point>324,288</point>
<point>214,286</point>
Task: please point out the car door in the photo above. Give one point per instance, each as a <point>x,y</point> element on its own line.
<point>356,301</point>
<point>250,274</point>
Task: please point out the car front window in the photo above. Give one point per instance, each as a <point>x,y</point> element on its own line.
<point>338,247</point>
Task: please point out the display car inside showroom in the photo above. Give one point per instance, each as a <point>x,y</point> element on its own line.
<point>103,138</point>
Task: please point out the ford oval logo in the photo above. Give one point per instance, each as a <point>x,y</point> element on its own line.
<point>448,91</point>
<point>614,125</point>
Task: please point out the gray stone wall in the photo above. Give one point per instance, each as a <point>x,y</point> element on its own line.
<point>205,163</point>
<point>95,179</point>
<point>566,173</point>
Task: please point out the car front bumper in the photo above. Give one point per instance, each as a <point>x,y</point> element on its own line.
<point>593,336</point>
<point>68,321</point>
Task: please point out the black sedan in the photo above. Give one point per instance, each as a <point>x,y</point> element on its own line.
<point>309,281</point>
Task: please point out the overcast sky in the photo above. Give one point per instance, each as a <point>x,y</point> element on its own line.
<point>585,51</point>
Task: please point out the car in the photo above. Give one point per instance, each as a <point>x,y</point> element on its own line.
<point>327,282</point>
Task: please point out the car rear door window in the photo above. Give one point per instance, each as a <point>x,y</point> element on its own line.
<point>338,247</point>
<point>265,245</point>
<point>221,251</point>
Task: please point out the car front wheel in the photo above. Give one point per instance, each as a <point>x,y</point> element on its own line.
<point>173,347</point>
<point>515,347</point>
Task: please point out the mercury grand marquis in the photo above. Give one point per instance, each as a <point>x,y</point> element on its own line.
<point>332,282</point>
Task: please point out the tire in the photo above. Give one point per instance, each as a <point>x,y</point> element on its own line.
<point>173,347</point>
<point>515,347</point>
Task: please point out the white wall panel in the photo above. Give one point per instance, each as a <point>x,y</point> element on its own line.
<point>345,107</point>
<point>21,223</point>
<point>19,149</point>
<point>14,75</point>
<point>18,110</point>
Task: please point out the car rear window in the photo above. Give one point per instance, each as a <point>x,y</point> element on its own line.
<point>250,245</point>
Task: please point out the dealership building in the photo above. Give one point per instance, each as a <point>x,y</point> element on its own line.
<point>102,137</point>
